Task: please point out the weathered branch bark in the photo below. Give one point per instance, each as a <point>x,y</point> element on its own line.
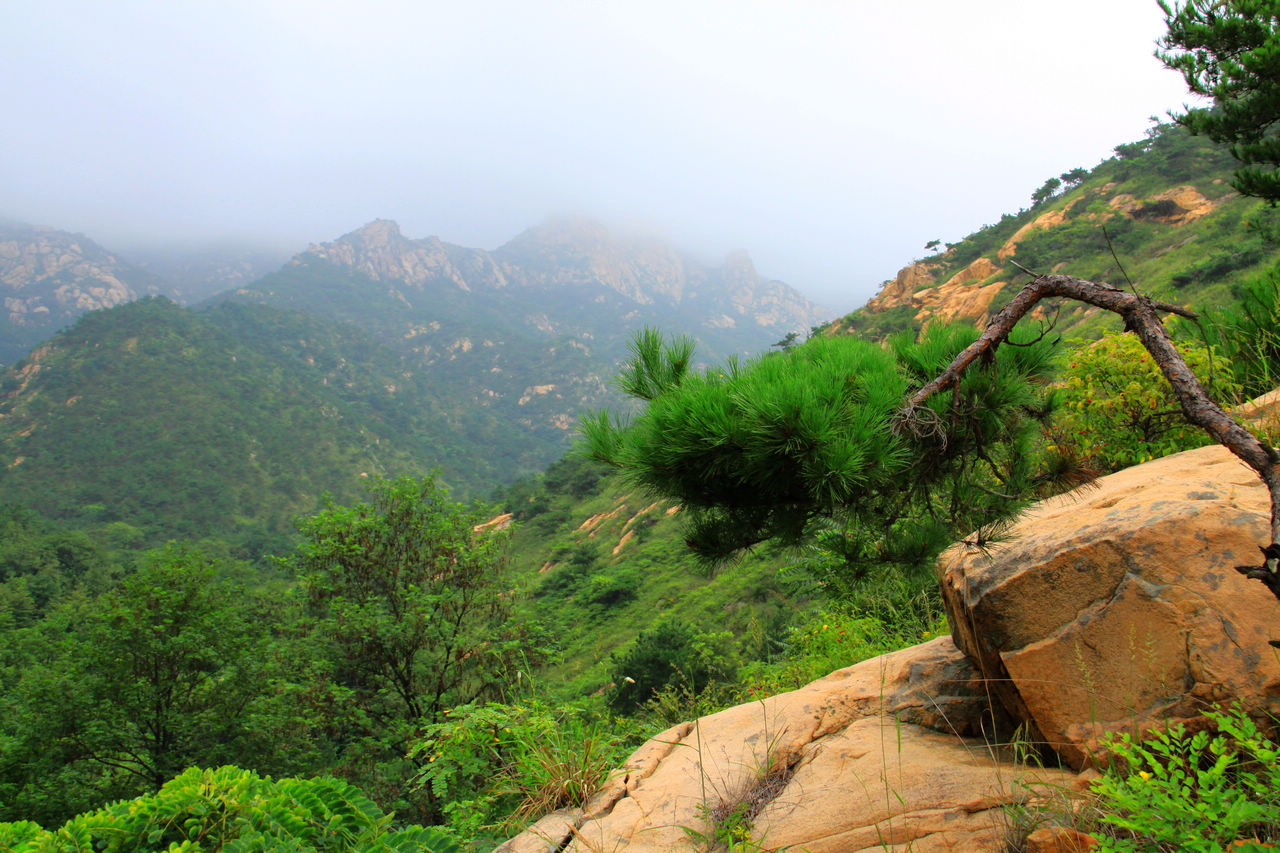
<point>1142,318</point>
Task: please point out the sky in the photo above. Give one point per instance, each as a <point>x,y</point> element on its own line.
<point>830,140</point>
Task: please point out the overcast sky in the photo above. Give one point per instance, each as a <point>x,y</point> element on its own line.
<point>830,140</point>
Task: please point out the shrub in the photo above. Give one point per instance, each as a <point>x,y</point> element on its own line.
<point>668,653</point>
<point>1117,409</point>
<point>1192,792</point>
<point>230,808</point>
<point>499,764</point>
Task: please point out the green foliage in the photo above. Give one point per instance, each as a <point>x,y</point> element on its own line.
<point>1193,792</point>
<point>233,810</point>
<point>1046,191</point>
<point>276,408</point>
<point>764,450</point>
<point>1117,409</point>
<point>668,653</point>
<point>499,765</point>
<point>410,604</point>
<point>1230,52</point>
<point>111,696</point>
<point>1247,334</point>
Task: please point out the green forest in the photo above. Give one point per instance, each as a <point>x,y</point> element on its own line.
<point>328,643</point>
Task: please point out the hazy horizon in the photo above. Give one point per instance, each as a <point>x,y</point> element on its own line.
<point>830,141</point>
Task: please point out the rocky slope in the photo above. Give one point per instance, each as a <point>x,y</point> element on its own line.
<point>532,332</point>
<point>572,277</point>
<point>50,277</point>
<point>1108,610</point>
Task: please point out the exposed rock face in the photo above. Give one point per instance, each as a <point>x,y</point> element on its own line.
<point>1118,606</point>
<point>1052,219</point>
<point>960,297</point>
<point>47,276</point>
<point>1176,206</point>
<point>898,292</point>
<point>381,252</point>
<point>576,253</point>
<point>883,753</point>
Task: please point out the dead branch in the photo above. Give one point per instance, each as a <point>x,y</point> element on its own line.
<point>1141,316</point>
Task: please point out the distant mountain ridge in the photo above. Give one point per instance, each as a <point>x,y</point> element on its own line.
<point>578,253</point>
<point>532,332</point>
<point>371,354</point>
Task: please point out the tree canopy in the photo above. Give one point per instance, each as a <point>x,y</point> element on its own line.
<point>1229,50</point>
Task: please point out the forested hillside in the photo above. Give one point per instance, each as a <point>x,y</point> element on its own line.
<point>226,423</point>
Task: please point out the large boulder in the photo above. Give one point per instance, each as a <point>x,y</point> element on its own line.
<point>1118,606</point>
<point>898,750</point>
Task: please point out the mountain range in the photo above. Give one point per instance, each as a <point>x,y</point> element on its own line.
<point>370,354</point>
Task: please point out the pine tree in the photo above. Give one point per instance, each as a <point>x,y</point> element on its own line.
<point>775,447</point>
<point>1229,50</point>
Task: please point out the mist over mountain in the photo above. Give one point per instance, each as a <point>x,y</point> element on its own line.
<point>370,354</point>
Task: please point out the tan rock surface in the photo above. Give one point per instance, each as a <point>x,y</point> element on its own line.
<point>1176,206</point>
<point>960,297</point>
<point>1052,219</point>
<point>1118,606</point>
<point>899,290</point>
<point>889,751</point>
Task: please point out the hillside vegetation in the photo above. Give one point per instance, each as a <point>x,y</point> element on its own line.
<point>1160,214</point>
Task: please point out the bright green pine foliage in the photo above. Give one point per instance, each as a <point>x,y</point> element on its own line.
<point>1230,52</point>
<point>229,809</point>
<point>761,451</point>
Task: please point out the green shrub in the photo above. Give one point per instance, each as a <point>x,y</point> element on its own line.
<point>1117,409</point>
<point>1192,792</point>
<point>498,765</point>
<point>1247,333</point>
<point>669,653</point>
<point>232,809</point>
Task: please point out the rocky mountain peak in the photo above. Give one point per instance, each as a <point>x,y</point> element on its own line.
<point>379,251</point>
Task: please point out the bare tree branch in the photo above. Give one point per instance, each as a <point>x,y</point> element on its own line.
<point>1142,318</point>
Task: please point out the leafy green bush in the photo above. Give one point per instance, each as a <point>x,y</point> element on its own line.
<point>1192,792</point>
<point>668,653</point>
<point>497,765</point>
<point>1248,333</point>
<point>1117,409</point>
<point>232,809</point>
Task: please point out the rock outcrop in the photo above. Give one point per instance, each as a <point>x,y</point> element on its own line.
<point>1118,607</point>
<point>901,749</point>
<point>49,276</point>
<point>908,280</point>
<point>1110,609</point>
<point>1176,206</point>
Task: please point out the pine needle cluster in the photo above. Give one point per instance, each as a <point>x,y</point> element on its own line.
<point>776,447</point>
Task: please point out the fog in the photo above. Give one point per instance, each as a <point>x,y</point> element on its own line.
<point>831,140</point>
